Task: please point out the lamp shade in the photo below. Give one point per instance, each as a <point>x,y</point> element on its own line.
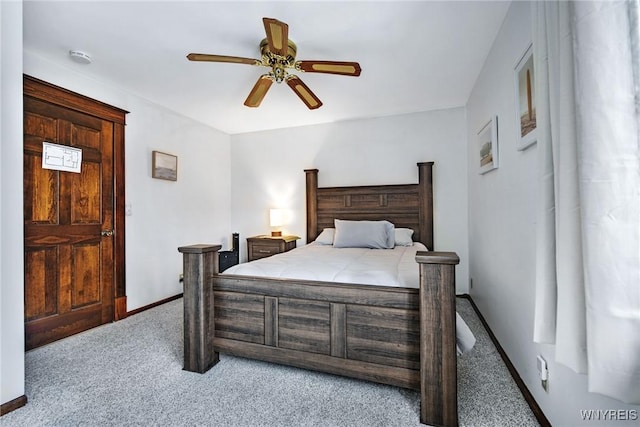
<point>277,217</point>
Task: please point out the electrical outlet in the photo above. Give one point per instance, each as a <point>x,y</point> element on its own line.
<point>544,372</point>
<point>470,282</point>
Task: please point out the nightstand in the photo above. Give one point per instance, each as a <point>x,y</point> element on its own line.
<point>265,246</point>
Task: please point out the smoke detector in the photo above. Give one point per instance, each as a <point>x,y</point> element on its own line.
<point>80,57</point>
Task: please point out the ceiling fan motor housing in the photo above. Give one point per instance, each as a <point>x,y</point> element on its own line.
<point>277,62</point>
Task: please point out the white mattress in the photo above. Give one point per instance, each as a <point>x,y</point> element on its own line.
<point>382,267</point>
<point>378,267</point>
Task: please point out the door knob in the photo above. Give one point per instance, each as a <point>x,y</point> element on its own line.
<point>107,233</point>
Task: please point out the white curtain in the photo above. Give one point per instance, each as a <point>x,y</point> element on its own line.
<point>588,237</point>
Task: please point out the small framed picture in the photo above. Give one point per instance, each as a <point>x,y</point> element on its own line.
<point>164,166</point>
<point>525,101</point>
<point>488,146</point>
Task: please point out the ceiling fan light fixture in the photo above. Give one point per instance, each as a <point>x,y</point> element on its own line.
<point>80,57</point>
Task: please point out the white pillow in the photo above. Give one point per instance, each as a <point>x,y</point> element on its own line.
<point>364,234</point>
<point>403,237</point>
<point>326,237</point>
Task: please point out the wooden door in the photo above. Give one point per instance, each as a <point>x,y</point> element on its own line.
<point>68,224</point>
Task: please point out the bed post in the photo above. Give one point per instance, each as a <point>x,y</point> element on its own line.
<point>438,357</point>
<point>312,204</point>
<point>200,262</point>
<point>425,183</point>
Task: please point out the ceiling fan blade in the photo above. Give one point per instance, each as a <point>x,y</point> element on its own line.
<point>277,35</point>
<point>330,67</point>
<point>305,94</point>
<point>222,58</point>
<point>259,91</point>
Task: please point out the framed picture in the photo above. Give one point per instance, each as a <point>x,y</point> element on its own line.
<point>488,146</point>
<point>164,166</point>
<point>525,100</point>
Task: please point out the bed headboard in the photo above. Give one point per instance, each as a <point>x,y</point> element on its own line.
<point>405,205</point>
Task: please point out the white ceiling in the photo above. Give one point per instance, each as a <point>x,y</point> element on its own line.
<point>415,55</point>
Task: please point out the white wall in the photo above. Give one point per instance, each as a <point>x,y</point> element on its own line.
<point>11,221</point>
<point>165,214</point>
<point>267,170</point>
<point>502,218</point>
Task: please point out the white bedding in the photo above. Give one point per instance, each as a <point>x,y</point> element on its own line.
<point>380,267</point>
<point>388,267</point>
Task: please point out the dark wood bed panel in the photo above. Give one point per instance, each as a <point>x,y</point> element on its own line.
<point>397,336</point>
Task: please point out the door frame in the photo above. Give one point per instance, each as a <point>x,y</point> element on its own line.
<point>53,94</point>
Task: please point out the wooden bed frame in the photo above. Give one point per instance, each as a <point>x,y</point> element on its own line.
<point>398,336</point>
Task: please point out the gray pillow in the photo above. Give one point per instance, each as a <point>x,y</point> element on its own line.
<point>364,234</point>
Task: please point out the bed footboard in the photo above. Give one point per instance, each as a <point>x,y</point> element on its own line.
<point>398,336</point>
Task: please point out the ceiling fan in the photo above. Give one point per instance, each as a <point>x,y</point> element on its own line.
<point>279,54</point>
